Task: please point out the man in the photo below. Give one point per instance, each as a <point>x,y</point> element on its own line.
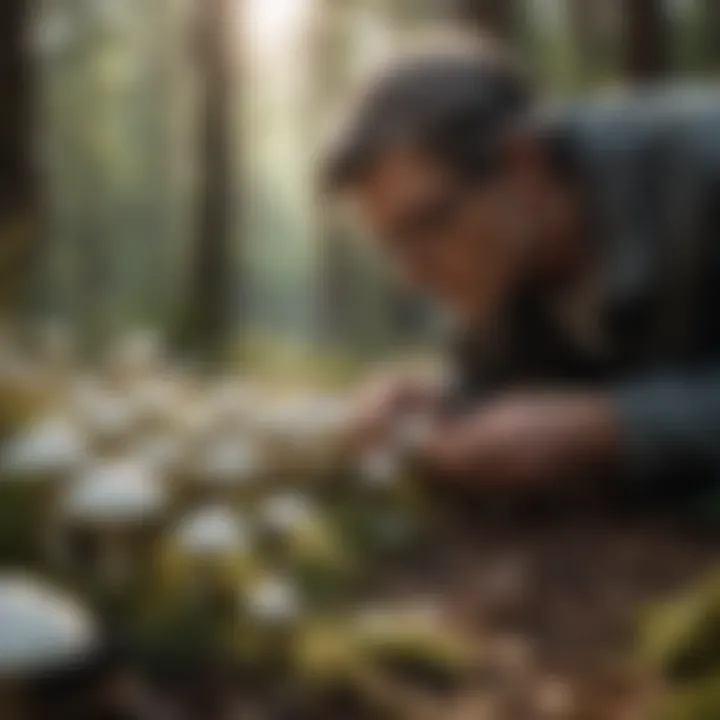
<point>579,257</point>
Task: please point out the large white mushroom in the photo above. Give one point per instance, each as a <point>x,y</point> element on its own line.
<point>114,510</point>
<point>41,630</point>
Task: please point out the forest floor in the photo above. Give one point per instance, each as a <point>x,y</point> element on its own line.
<point>554,605</point>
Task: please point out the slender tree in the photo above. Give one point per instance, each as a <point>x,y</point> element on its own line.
<point>329,69</point>
<point>711,18</point>
<point>18,209</point>
<point>584,26</point>
<point>646,39</point>
<point>207,322</point>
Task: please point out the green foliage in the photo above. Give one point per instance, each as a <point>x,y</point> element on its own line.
<point>681,637</point>
<point>19,540</point>
<point>694,701</point>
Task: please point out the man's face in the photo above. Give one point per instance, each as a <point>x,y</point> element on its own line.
<point>460,242</point>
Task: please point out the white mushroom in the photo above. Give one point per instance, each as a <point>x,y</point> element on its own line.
<point>212,532</point>
<point>281,515</point>
<point>227,468</point>
<point>49,449</point>
<point>209,552</point>
<point>40,630</point>
<point>38,464</point>
<point>273,601</point>
<point>114,504</point>
<point>119,492</point>
<point>40,627</point>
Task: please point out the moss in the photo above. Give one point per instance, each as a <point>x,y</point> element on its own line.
<point>697,701</point>
<point>681,638</point>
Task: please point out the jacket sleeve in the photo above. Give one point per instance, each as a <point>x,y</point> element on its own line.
<point>670,425</point>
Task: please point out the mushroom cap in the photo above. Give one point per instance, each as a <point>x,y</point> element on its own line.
<point>230,461</point>
<point>118,491</point>
<point>40,628</point>
<point>211,531</point>
<point>273,599</point>
<point>53,445</point>
<point>287,512</point>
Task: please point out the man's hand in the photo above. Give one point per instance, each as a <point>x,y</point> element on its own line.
<point>527,442</point>
<point>383,401</point>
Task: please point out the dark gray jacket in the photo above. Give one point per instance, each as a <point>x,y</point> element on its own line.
<point>651,167</point>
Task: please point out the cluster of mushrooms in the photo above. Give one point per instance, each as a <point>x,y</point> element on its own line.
<point>214,510</point>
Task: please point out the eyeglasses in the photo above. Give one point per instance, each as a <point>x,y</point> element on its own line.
<point>430,220</point>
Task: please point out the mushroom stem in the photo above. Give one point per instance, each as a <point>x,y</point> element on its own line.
<point>115,561</point>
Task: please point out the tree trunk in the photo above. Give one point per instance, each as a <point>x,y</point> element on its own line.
<point>583,21</point>
<point>646,40</point>
<point>18,212</point>
<point>711,18</point>
<point>496,17</point>
<point>207,324</point>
